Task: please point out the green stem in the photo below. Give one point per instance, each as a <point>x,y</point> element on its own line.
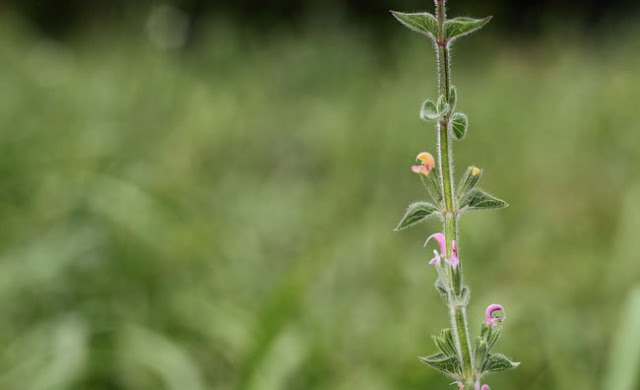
<point>457,312</point>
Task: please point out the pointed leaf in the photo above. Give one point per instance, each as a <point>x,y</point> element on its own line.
<point>498,362</point>
<point>457,27</point>
<point>416,213</point>
<point>459,124</point>
<point>449,366</point>
<point>476,199</point>
<point>422,22</point>
<point>429,111</point>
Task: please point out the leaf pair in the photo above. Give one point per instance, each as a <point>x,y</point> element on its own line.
<point>427,24</point>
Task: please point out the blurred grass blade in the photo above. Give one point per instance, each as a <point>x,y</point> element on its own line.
<point>624,360</point>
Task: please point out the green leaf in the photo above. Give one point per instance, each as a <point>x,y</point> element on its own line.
<point>422,22</point>
<point>442,106</point>
<point>429,111</point>
<point>476,199</point>
<point>445,343</point>
<point>416,213</point>
<point>457,27</point>
<point>449,366</point>
<point>453,98</point>
<point>459,124</point>
<point>468,181</point>
<point>481,353</point>
<point>498,362</point>
<point>432,184</point>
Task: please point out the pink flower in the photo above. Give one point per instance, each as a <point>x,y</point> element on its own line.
<point>441,242</point>
<point>484,387</point>
<point>494,319</point>
<point>453,261</point>
<point>428,163</point>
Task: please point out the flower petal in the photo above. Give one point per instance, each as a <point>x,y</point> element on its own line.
<point>440,238</point>
<point>490,318</point>
<point>436,258</point>
<point>421,169</point>
<point>427,160</point>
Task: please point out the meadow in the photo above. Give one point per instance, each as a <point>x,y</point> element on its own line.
<point>221,216</point>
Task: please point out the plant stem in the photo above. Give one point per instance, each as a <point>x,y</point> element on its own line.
<point>457,312</point>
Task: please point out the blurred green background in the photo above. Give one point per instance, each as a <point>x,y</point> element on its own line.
<point>217,212</point>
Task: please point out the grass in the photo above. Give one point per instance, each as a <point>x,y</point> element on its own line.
<point>222,218</point>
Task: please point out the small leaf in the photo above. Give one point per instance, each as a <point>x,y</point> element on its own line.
<point>476,199</point>
<point>468,181</point>
<point>459,124</point>
<point>429,111</point>
<point>449,366</point>
<point>453,98</point>
<point>498,362</point>
<point>416,213</point>
<point>422,22</point>
<point>457,27</point>
<point>442,106</point>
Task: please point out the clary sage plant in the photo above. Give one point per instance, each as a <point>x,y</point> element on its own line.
<point>467,362</point>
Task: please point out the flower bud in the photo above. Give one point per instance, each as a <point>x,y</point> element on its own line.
<point>469,180</point>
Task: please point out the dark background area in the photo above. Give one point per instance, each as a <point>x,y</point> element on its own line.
<point>526,18</point>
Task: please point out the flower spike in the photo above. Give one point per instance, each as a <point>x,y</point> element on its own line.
<point>490,318</point>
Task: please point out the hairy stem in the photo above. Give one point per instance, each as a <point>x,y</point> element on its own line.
<point>457,312</point>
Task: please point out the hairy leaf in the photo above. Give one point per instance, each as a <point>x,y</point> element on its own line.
<point>498,362</point>
<point>457,27</point>
<point>476,199</point>
<point>429,111</point>
<point>422,22</point>
<point>442,106</point>
<point>459,124</point>
<point>416,213</point>
<point>449,366</point>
